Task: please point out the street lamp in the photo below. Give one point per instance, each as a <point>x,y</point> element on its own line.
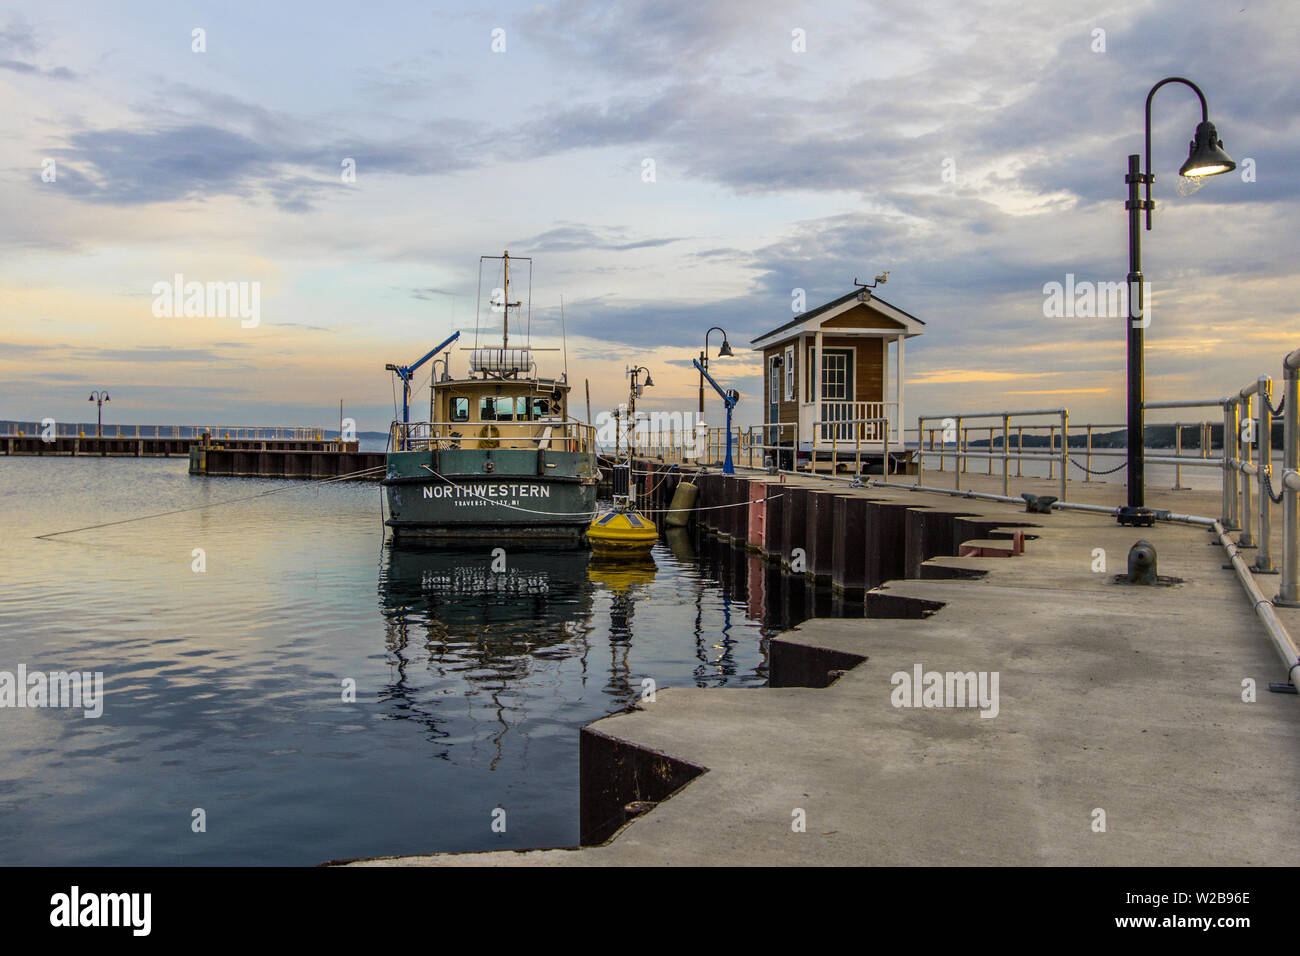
<point>724,351</point>
<point>1205,158</point>
<point>634,392</point>
<point>100,398</point>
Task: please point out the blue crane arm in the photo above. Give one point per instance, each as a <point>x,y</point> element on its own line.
<point>404,372</point>
<point>729,397</point>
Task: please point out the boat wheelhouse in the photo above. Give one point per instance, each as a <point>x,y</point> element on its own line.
<point>829,374</point>
<point>500,457</point>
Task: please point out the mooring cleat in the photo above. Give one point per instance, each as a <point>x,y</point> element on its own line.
<point>1038,504</point>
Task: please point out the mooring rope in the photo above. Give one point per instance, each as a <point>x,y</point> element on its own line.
<point>215,504</point>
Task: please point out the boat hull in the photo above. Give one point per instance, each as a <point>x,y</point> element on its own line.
<point>506,494</point>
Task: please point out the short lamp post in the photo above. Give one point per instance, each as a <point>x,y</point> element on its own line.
<point>634,392</point>
<point>100,398</point>
<point>1205,158</point>
<point>724,351</point>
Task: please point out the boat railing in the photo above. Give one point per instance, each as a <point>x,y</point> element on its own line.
<point>540,434</point>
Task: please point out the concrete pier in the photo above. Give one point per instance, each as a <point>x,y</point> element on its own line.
<point>1131,725</point>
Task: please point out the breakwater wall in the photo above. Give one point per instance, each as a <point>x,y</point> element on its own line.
<point>835,535</point>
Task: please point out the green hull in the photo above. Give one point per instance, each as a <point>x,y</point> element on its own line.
<point>499,494</point>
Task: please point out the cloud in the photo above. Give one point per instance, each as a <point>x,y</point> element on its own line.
<point>570,238</point>
<point>161,354</point>
<point>18,37</point>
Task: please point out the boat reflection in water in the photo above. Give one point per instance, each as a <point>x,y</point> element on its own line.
<point>483,640</point>
<point>475,635</point>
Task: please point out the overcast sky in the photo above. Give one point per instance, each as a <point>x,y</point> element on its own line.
<point>775,169</point>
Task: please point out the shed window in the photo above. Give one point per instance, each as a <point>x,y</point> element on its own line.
<point>789,374</point>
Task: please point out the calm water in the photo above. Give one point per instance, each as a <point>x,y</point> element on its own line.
<point>223,689</point>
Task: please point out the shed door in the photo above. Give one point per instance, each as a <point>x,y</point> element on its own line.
<point>837,391</point>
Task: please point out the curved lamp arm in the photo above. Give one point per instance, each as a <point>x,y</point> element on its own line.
<point>1147,175</point>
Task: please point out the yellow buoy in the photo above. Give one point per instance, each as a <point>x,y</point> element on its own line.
<point>617,532</point>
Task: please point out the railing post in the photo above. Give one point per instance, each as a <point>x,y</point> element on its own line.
<point>1065,451</point>
<point>958,460</point>
<point>1051,448</point>
<point>1246,539</point>
<point>1087,472</point>
<point>990,457</point>
<point>1289,591</point>
<point>1178,453</point>
<point>1006,450</point>
<point>920,445</point>
<point>1230,465</point>
<point>1263,557</point>
<point>884,467</point>
<point>1020,447</point>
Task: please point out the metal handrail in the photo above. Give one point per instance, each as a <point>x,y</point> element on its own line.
<point>961,454</point>
<point>559,435</point>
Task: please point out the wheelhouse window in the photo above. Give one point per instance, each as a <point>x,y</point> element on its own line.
<point>503,408</point>
<point>460,409</point>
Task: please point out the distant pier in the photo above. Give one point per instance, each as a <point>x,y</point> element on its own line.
<point>292,453</point>
<point>269,459</point>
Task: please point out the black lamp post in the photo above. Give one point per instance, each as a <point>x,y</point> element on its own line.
<point>724,351</point>
<point>633,392</point>
<point>1205,158</point>
<point>100,398</point>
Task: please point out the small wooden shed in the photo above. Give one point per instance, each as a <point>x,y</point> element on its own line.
<point>856,345</point>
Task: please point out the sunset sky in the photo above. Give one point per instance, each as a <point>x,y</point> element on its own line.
<point>774,169</point>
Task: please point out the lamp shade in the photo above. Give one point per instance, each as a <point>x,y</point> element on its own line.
<point>1205,155</point>
<point>725,350</point>
<point>648,380</point>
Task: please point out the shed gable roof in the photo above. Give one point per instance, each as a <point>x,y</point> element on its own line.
<point>837,311</point>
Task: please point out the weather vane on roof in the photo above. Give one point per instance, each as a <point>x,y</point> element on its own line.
<point>880,280</point>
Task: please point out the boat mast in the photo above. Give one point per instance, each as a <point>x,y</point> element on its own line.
<point>506,304</point>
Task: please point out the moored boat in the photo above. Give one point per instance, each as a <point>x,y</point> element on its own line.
<point>500,457</point>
